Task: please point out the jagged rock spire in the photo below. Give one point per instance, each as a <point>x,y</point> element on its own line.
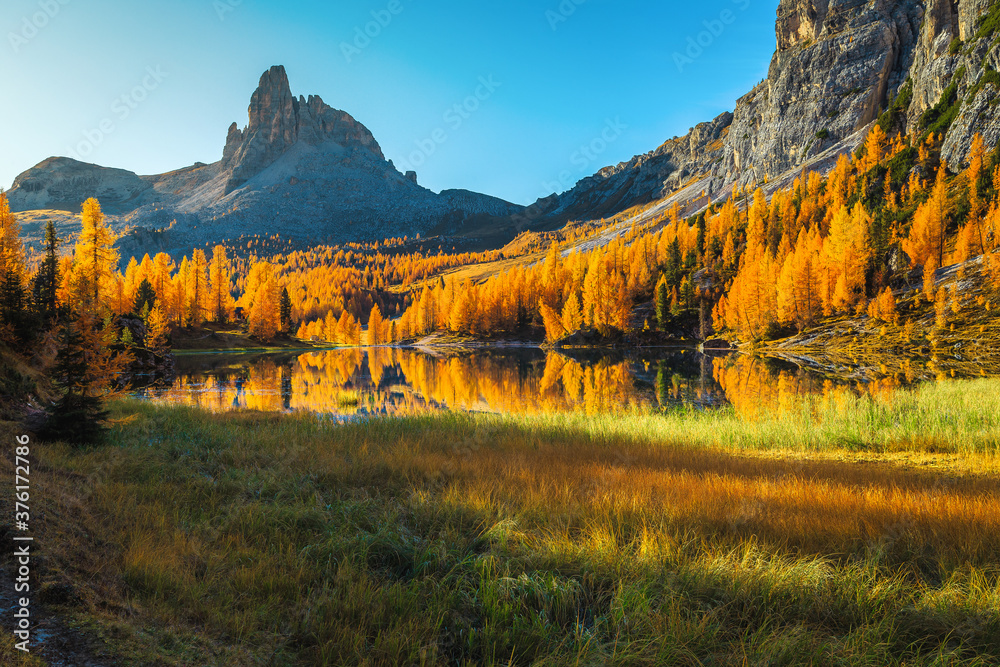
<point>277,121</point>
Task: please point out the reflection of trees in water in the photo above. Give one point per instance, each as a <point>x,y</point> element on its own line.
<point>286,388</point>
<point>675,389</point>
<point>395,381</point>
<point>755,386</point>
<point>388,380</point>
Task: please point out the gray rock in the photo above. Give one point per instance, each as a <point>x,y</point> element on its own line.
<point>64,184</point>
<point>278,121</point>
<point>300,169</point>
<point>836,66</point>
<point>312,173</point>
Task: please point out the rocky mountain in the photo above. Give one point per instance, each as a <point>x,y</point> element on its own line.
<point>838,67</point>
<point>58,183</point>
<point>312,173</point>
<point>299,168</point>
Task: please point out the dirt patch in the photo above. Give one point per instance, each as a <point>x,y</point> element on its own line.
<point>52,641</point>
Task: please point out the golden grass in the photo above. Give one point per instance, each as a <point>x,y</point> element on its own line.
<point>812,535</point>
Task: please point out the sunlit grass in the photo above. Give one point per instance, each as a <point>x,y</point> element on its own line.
<point>682,538</point>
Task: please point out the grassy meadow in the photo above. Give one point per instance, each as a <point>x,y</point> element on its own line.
<point>838,531</point>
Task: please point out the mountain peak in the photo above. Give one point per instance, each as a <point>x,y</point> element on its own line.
<point>275,79</point>
<point>278,120</point>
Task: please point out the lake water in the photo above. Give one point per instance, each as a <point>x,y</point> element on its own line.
<point>356,382</point>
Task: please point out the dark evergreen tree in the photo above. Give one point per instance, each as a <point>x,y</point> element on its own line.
<point>145,297</point>
<point>12,300</point>
<point>690,261</point>
<point>77,417</point>
<point>702,229</point>
<point>687,293</point>
<point>285,305</point>
<point>675,263</point>
<point>662,304</point>
<point>46,283</point>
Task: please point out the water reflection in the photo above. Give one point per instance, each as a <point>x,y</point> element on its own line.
<point>757,386</point>
<point>398,382</point>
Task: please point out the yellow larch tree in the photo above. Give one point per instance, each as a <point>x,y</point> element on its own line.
<point>572,314</point>
<point>376,327</point>
<point>13,266</point>
<point>221,301</point>
<point>874,150</point>
<point>264,320</point>
<point>197,288</point>
<point>798,284</point>
<point>846,253</point>
<point>554,329</point>
<point>927,232</point>
<point>95,259</point>
<point>883,307</point>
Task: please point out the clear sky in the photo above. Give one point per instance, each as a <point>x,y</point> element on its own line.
<point>153,85</point>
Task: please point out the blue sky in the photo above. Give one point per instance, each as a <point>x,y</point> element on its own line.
<point>152,86</point>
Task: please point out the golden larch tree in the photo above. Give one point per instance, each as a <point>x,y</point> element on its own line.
<point>95,259</point>
<point>927,232</point>
<point>13,266</point>
<point>221,301</point>
<point>376,327</point>
<point>197,287</point>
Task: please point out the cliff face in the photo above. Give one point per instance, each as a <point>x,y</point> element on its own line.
<point>278,121</point>
<point>646,177</point>
<point>835,63</point>
<point>837,66</point>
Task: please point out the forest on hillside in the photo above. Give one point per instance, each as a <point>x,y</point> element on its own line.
<point>753,268</point>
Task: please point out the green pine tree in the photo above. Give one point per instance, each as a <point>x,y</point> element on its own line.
<point>286,311</point>
<point>46,283</point>
<point>702,230</point>
<point>662,303</point>
<point>145,297</point>
<point>77,417</point>
<point>12,300</point>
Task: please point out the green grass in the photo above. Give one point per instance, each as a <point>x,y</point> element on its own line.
<point>837,530</point>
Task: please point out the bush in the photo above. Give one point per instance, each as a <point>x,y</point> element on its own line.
<point>990,76</point>
<point>989,23</point>
<point>940,117</point>
<point>894,117</point>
